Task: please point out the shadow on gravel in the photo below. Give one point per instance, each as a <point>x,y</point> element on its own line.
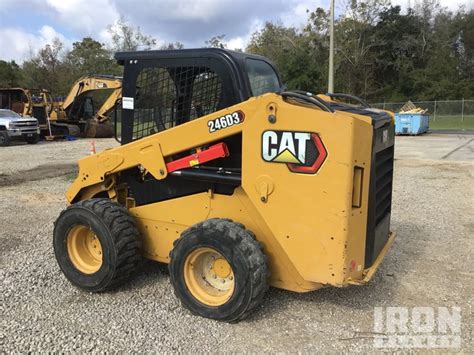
<point>9,242</point>
<point>41,172</point>
<point>149,272</point>
<point>381,290</point>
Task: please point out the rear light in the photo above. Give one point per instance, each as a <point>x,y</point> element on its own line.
<point>357,187</point>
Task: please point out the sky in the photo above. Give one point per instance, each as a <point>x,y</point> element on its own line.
<point>28,25</point>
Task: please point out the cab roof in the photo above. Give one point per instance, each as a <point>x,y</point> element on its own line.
<point>122,57</point>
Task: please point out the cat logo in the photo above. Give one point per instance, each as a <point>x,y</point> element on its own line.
<point>303,152</point>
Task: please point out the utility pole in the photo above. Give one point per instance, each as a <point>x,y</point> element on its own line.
<point>331,50</point>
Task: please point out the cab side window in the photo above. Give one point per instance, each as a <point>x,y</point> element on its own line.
<point>262,77</point>
<point>155,101</point>
<point>167,97</point>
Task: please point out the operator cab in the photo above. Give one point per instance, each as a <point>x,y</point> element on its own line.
<point>162,89</point>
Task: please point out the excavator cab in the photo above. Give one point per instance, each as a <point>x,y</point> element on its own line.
<point>86,107</point>
<point>233,182</point>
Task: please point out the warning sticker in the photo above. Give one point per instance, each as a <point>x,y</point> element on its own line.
<point>127,103</point>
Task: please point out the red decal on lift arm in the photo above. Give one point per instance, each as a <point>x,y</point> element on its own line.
<point>216,151</point>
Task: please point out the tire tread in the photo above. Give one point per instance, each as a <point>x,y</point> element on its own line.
<point>252,249</point>
<point>126,238</point>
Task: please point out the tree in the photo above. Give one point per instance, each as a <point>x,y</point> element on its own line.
<point>216,42</point>
<point>291,52</point>
<point>356,46</point>
<point>394,60</point>
<point>126,37</point>
<point>172,46</point>
<point>10,74</point>
<point>47,70</point>
<point>382,54</point>
<point>91,57</point>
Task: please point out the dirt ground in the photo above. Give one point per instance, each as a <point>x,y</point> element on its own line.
<point>430,264</point>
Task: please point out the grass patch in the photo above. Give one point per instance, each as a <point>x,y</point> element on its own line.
<point>452,122</point>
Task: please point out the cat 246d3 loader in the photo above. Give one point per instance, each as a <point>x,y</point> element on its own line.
<point>234,183</point>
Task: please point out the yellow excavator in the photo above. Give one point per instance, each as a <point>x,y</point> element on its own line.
<point>78,107</point>
<point>76,114</point>
<point>26,102</point>
<point>37,103</point>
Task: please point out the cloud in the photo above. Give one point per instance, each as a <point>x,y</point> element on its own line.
<point>237,43</point>
<point>18,45</point>
<point>84,18</point>
<point>191,22</point>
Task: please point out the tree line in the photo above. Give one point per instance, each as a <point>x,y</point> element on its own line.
<point>381,53</point>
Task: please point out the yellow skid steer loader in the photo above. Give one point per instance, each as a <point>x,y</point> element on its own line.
<point>234,183</point>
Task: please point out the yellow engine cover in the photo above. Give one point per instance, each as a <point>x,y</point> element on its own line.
<point>312,225</point>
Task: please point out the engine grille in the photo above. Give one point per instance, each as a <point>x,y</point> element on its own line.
<point>380,192</point>
<point>383,183</point>
<point>25,126</point>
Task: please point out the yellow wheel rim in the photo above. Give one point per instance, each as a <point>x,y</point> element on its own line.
<point>84,249</point>
<point>209,276</point>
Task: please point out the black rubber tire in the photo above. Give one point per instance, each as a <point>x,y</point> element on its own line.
<point>118,236</point>
<point>4,139</point>
<point>33,140</point>
<point>243,252</point>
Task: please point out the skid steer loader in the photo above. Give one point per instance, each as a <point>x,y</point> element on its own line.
<point>232,182</point>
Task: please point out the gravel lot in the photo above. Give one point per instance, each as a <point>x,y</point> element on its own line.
<point>430,264</point>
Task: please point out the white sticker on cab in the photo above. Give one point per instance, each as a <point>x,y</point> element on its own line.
<point>127,103</point>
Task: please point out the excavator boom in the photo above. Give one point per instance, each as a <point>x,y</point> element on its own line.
<point>78,106</point>
<point>89,84</point>
<point>108,105</point>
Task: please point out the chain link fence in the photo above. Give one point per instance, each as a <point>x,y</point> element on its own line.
<point>444,114</point>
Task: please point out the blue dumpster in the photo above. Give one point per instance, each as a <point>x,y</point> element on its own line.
<point>411,123</point>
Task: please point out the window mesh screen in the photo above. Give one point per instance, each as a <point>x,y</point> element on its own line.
<point>167,97</point>
<point>207,89</point>
<point>154,102</point>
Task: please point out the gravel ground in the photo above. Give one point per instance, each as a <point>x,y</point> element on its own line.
<point>430,264</point>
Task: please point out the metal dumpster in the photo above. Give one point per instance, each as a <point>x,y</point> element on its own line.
<point>411,123</point>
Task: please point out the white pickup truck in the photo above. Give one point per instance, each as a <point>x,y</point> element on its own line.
<point>15,127</point>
